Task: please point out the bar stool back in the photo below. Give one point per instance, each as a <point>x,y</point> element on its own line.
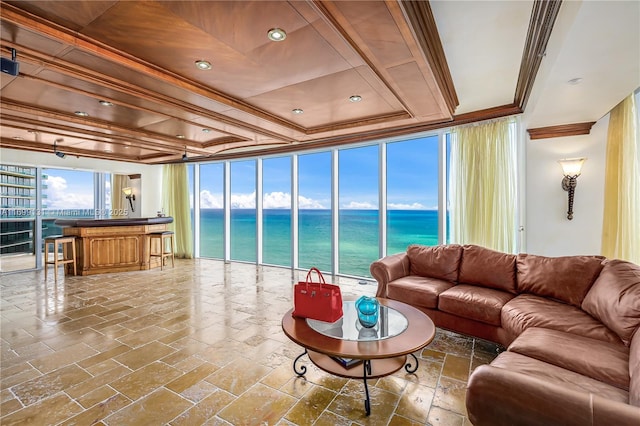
<point>68,256</point>
<point>162,237</point>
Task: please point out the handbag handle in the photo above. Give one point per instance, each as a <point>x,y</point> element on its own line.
<point>317,271</point>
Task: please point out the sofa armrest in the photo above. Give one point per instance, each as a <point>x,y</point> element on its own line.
<point>387,269</point>
<point>496,397</point>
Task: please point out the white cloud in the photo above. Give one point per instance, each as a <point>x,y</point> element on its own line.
<point>272,200</point>
<point>210,201</point>
<point>400,206</point>
<point>59,197</point>
<point>355,205</point>
<point>243,201</point>
<point>308,203</point>
<point>277,200</point>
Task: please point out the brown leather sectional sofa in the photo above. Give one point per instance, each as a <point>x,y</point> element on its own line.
<point>569,325</point>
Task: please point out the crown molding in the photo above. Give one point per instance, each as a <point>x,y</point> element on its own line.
<point>561,130</point>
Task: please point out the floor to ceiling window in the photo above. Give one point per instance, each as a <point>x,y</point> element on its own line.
<point>18,187</point>
<point>386,196</point>
<point>412,193</point>
<point>314,214</point>
<point>67,194</point>
<point>358,209</point>
<point>243,210</point>
<point>212,210</point>
<point>34,197</point>
<point>276,204</point>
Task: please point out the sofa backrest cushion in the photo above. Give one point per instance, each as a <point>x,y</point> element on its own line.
<point>488,268</point>
<point>614,298</point>
<point>440,261</point>
<point>566,278</point>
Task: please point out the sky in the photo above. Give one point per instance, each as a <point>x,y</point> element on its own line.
<point>412,180</point>
<point>68,189</point>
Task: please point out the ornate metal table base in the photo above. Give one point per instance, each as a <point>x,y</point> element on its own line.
<point>366,373</point>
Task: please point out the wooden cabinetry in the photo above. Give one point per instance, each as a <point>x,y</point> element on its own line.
<point>113,245</point>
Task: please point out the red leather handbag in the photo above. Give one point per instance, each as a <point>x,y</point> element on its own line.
<point>320,301</point>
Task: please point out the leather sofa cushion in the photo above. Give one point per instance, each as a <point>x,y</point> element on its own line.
<point>488,268</point>
<point>476,303</point>
<point>527,310</point>
<point>532,367</point>
<point>593,358</point>
<point>566,278</point>
<point>614,298</point>
<point>440,261</point>
<point>417,291</point>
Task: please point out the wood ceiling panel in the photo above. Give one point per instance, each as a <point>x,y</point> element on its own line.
<point>71,14</point>
<point>326,100</point>
<point>68,102</point>
<point>244,35</point>
<point>376,28</point>
<point>24,37</point>
<point>191,132</point>
<point>411,80</point>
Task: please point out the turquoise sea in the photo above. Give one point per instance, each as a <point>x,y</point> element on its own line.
<point>358,236</point>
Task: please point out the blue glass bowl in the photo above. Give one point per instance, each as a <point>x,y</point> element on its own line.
<point>368,308</point>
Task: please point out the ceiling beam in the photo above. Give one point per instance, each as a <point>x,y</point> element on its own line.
<point>543,17</point>
<point>425,31</point>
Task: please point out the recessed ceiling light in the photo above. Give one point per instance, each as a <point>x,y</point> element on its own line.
<point>355,98</point>
<point>180,136</point>
<point>18,138</point>
<point>203,65</point>
<point>575,81</point>
<point>32,131</point>
<point>276,34</point>
<point>105,103</point>
<point>297,111</point>
<point>81,114</point>
<point>206,130</point>
<point>108,150</point>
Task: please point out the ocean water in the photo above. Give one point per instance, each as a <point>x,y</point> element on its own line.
<point>358,236</point>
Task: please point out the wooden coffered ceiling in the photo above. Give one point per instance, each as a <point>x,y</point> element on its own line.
<point>140,56</point>
<point>418,65</point>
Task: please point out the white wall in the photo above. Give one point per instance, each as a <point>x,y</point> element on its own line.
<point>148,200</point>
<point>548,231</point>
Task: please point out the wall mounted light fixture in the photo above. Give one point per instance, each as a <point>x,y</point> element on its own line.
<point>571,168</point>
<point>129,195</point>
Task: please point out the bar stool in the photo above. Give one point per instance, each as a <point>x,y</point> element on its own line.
<point>63,242</point>
<point>162,237</point>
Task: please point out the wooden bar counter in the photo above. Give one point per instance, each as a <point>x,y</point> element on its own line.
<point>112,245</point>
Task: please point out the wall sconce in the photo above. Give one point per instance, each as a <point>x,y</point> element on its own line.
<point>571,168</point>
<point>129,195</point>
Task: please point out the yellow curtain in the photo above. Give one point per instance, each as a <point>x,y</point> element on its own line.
<point>118,206</point>
<point>175,201</point>
<point>621,224</point>
<point>483,185</point>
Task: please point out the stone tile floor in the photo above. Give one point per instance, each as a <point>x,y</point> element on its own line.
<point>200,343</point>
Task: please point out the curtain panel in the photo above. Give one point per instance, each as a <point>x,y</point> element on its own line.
<point>621,219</point>
<point>483,185</point>
<point>175,201</point>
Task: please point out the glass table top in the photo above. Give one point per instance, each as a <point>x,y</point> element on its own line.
<point>390,323</point>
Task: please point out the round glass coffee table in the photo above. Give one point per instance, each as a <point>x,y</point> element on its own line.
<point>347,349</point>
